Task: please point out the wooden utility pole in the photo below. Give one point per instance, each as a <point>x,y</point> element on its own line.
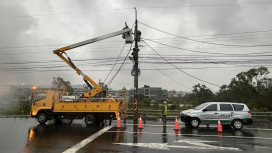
<point>136,71</point>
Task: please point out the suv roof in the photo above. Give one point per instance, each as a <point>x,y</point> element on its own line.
<point>223,103</point>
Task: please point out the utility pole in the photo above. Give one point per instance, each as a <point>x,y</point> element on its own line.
<point>135,71</point>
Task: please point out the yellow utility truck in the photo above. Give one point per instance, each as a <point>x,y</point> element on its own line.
<point>50,104</point>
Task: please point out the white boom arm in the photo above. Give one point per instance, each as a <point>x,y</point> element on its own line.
<point>127,32</point>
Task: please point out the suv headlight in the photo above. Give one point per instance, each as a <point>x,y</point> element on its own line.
<point>183,114</point>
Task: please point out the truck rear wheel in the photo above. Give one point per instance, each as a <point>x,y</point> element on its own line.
<point>42,118</point>
<point>90,119</point>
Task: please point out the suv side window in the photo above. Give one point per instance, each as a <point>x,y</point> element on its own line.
<point>238,107</point>
<point>212,107</point>
<point>226,107</point>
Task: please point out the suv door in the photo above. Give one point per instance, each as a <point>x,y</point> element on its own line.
<point>226,113</point>
<point>210,114</point>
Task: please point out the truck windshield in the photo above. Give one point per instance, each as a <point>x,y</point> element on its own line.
<point>201,106</point>
<point>39,96</point>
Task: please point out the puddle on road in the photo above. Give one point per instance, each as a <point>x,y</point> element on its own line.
<point>56,138</point>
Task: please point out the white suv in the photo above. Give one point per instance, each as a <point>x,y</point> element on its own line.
<point>229,113</point>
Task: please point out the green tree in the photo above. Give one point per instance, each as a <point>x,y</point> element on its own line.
<point>24,107</point>
<point>251,87</point>
<point>202,93</point>
<point>143,102</point>
<point>223,94</point>
<point>189,98</point>
<point>59,83</point>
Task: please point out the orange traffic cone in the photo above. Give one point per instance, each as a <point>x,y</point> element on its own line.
<point>219,126</point>
<point>118,123</point>
<point>176,124</point>
<point>140,123</point>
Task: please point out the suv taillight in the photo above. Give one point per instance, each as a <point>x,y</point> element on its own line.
<point>249,112</point>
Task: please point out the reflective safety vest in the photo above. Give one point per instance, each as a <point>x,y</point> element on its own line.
<point>165,110</point>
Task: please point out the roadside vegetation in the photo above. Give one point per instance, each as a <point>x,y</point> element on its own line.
<point>23,107</point>
<point>252,87</point>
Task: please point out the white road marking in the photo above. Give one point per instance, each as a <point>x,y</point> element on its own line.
<point>161,146</point>
<point>87,140</point>
<point>197,135</point>
<point>203,148</point>
<point>258,129</point>
<point>165,146</point>
<point>200,143</point>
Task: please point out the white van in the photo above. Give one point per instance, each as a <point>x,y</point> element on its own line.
<point>229,113</point>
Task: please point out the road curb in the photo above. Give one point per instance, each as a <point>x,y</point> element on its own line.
<point>14,116</point>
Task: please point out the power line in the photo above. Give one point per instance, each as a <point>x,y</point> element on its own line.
<point>63,13</point>
<point>180,69</point>
<point>205,42</point>
<point>115,63</point>
<point>196,51</point>
<point>216,39</point>
<point>204,5</point>
<point>146,59</point>
<point>232,33</point>
<point>146,69</point>
<point>120,9</point>
<point>169,76</point>
<point>111,45</point>
<point>120,66</point>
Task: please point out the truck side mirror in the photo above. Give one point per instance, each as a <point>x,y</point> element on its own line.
<point>204,110</point>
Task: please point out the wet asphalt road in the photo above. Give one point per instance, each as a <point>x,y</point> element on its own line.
<point>26,135</point>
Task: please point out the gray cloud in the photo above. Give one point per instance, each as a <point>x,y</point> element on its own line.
<point>80,20</point>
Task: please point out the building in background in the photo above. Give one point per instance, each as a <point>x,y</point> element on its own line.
<point>154,93</point>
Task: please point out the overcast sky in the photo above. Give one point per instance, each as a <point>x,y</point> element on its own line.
<point>235,35</point>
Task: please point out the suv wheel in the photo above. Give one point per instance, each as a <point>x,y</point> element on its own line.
<point>194,122</point>
<point>237,124</point>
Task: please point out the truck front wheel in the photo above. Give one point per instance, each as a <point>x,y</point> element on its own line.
<point>42,118</point>
<point>90,119</point>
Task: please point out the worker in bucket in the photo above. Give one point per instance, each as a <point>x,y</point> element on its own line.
<point>164,112</point>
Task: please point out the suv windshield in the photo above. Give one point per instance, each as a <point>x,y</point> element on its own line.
<point>201,106</point>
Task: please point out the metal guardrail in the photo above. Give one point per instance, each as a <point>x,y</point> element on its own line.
<point>154,114</point>
<point>175,113</point>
